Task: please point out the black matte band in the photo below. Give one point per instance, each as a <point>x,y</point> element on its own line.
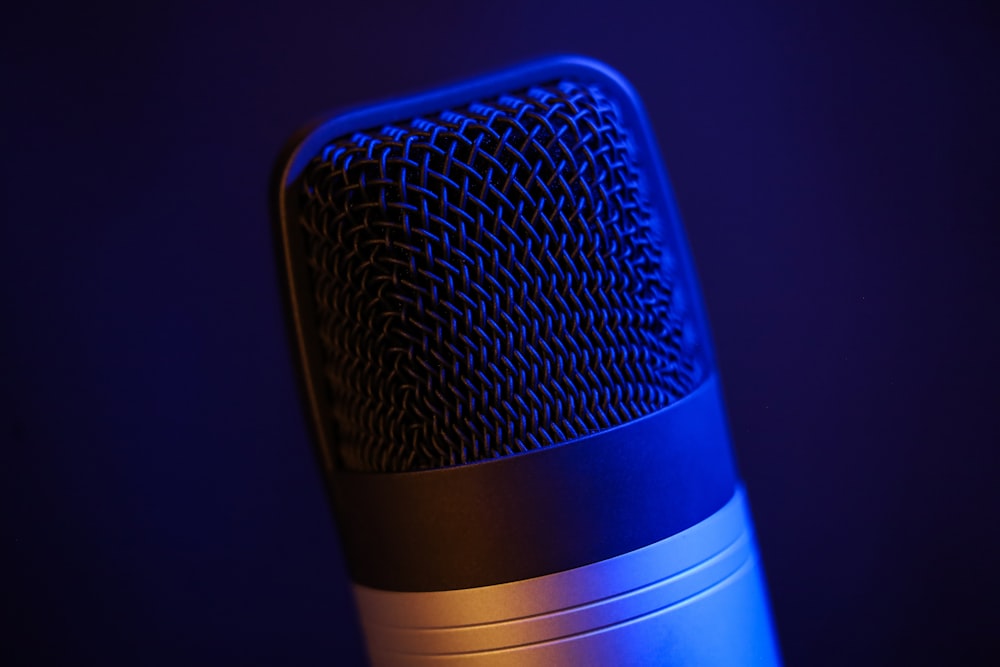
<point>543,512</point>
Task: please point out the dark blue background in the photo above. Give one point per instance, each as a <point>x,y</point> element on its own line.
<point>836,165</point>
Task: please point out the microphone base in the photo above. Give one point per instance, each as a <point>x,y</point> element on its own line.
<point>694,598</point>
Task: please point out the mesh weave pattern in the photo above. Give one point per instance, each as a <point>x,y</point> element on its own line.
<point>488,281</point>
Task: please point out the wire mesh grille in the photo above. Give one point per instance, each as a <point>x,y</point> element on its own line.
<point>489,281</point>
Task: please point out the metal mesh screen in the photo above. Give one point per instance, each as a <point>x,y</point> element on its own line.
<point>488,281</point>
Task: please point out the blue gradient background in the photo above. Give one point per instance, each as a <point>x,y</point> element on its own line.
<point>837,168</point>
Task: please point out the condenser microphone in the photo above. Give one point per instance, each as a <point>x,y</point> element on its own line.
<point>510,376</point>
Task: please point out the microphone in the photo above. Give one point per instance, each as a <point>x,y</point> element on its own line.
<point>511,382</point>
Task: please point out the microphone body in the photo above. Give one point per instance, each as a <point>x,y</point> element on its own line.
<point>510,376</point>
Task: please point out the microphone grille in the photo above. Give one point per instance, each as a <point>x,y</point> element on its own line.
<point>490,280</point>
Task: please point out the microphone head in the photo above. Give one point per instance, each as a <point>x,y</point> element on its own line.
<point>488,278</point>
<point>510,376</point>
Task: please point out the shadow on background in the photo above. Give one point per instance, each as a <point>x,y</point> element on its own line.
<point>837,170</point>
